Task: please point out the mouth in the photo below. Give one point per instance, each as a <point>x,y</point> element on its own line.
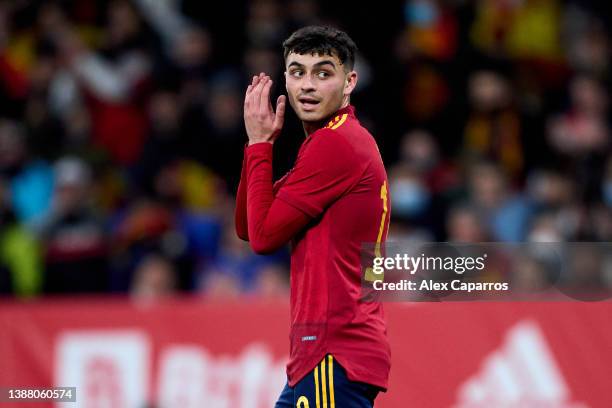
<point>308,103</point>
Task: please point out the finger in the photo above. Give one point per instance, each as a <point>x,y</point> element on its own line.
<point>259,83</point>
<point>256,95</point>
<point>256,80</point>
<point>247,97</point>
<point>279,118</point>
<point>252,98</point>
<point>264,102</point>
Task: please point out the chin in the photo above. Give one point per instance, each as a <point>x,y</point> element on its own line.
<point>311,116</point>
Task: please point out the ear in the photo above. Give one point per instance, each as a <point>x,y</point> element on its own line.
<point>351,82</point>
<point>285,73</point>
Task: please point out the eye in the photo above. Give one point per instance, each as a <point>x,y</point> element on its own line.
<point>296,73</point>
<point>323,74</point>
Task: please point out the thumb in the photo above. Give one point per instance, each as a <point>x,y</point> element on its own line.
<point>280,112</point>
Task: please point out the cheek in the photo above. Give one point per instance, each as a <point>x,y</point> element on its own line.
<point>292,88</point>
<point>333,90</point>
<point>291,93</point>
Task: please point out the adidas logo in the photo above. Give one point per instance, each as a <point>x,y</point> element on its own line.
<point>521,373</point>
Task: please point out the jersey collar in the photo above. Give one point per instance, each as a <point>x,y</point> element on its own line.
<point>340,116</point>
<point>349,109</point>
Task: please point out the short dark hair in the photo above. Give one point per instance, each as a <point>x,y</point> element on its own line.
<point>322,40</point>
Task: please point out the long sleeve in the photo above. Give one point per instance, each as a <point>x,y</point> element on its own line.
<point>240,215</point>
<point>111,82</point>
<point>271,223</point>
<point>168,22</point>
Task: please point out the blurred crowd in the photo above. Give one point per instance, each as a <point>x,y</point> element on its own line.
<point>121,132</point>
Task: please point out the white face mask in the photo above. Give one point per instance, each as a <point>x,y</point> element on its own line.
<point>544,236</point>
<point>409,198</point>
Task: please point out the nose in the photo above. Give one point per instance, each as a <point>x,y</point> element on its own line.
<point>307,85</point>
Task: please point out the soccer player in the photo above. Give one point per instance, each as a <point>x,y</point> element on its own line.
<point>333,200</point>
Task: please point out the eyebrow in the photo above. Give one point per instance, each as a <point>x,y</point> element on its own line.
<point>318,64</point>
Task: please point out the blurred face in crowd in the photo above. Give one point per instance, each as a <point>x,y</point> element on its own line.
<point>550,189</point>
<point>12,146</point>
<point>464,225</point>
<point>70,198</point>
<point>123,23</point>
<point>155,277</point>
<point>317,86</point>
<point>51,18</point>
<point>164,111</point>
<point>487,185</point>
<point>419,149</point>
<point>224,109</point>
<point>72,186</point>
<point>588,96</point>
<point>488,91</point>
<point>193,48</point>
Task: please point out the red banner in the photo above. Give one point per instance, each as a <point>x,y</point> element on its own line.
<point>190,353</point>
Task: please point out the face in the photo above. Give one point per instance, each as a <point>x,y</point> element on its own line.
<point>317,85</point>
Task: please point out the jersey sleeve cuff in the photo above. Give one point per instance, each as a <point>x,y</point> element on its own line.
<point>259,148</point>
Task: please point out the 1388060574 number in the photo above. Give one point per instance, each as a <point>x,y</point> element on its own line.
<point>16,394</point>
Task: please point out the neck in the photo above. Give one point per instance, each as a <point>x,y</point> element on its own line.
<point>310,127</point>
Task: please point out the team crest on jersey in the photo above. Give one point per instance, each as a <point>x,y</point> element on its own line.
<point>336,122</point>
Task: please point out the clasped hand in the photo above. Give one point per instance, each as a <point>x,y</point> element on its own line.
<point>261,122</point>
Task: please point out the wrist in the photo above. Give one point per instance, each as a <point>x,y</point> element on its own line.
<point>257,148</point>
<point>253,142</point>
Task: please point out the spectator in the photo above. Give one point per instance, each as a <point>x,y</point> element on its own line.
<point>465,225</point>
<point>419,149</point>
<point>583,128</point>
<point>431,30</point>
<point>493,128</point>
<point>154,278</point>
<point>20,260</point>
<point>237,263</point>
<point>114,80</point>
<point>31,179</point>
<point>75,238</point>
<point>505,212</point>
<point>526,29</point>
<point>149,94</point>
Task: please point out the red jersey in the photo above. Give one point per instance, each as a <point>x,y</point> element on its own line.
<point>339,182</point>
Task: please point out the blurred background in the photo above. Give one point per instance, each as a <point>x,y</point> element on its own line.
<point>121,139</point>
<point>121,131</point>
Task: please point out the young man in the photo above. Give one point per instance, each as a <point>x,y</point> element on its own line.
<point>331,201</point>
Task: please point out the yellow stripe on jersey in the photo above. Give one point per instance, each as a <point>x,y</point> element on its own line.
<point>330,366</point>
<point>323,383</point>
<point>340,122</point>
<point>336,122</point>
<point>316,376</point>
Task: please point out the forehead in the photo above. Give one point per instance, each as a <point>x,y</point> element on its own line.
<point>309,60</point>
